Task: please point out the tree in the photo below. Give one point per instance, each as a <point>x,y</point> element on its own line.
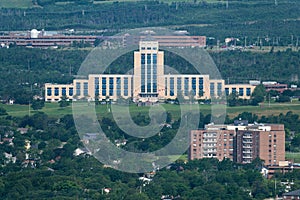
<point>64,102</point>
<point>258,94</point>
<point>37,104</point>
<point>3,111</point>
<point>283,98</point>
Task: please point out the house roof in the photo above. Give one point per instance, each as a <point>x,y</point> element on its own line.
<point>292,193</point>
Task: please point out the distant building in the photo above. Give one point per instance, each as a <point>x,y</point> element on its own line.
<point>291,195</point>
<point>276,86</point>
<point>148,83</point>
<point>35,38</point>
<point>240,142</point>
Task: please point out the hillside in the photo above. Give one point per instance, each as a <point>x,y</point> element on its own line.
<point>259,21</point>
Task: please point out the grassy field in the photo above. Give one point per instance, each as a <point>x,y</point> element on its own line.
<point>15,3</point>
<point>293,156</point>
<point>53,109</point>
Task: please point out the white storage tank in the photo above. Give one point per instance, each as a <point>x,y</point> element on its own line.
<point>34,33</point>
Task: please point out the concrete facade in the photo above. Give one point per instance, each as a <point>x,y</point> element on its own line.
<point>147,84</point>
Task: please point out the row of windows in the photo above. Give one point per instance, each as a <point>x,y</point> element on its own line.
<point>149,48</point>
<point>111,83</point>
<point>64,91</point>
<point>240,91</point>
<point>186,90</point>
<point>212,89</point>
<point>149,73</point>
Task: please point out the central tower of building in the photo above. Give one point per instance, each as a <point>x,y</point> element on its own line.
<point>148,72</point>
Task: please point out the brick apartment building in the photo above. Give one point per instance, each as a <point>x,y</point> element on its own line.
<point>240,142</point>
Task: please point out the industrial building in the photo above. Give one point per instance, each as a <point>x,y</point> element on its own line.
<point>35,38</point>
<point>148,83</point>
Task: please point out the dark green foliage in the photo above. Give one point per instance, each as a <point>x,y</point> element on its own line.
<point>3,111</point>
<point>282,98</point>
<point>258,94</point>
<point>70,176</point>
<point>37,104</point>
<point>64,102</point>
<point>243,18</point>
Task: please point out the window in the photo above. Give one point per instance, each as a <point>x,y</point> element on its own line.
<point>212,89</point>
<point>148,58</point>
<point>111,86</point>
<point>103,86</point>
<point>78,87</point>
<point>49,91</point>
<point>171,86</point>
<point>241,91</point>
<point>179,86</point>
<point>166,87</point>
<point>96,86</point>
<point>85,89</point>
<point>233,90</point>
<point>143,59</point>
<point>227,91</point>
<point>118,86</point>
<point>56,91</point>
<point>219,89</point>
<point>248,92</point>
<point>70,91</point>
<point>194,86</point>
<point>201,87</point>
<point>63,91</point>
<point>186,86</point>
<point>125,86</point>
<point>154,58</point>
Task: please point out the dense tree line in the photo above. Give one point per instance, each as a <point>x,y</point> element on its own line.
<point>242,18</point>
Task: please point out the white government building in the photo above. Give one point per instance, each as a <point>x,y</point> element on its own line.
<point>147,84</point>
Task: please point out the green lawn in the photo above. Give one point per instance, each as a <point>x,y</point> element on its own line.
<point>293,156</point>
<point>53,109</point>
<point>15,3</point>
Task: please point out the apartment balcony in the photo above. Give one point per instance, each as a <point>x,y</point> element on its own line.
<point>209,136</point>
<point>247,141</point>
<point>247,161</point>
<point>209,141</point>
<point>247,136</point>
<point>247,147</point>
<point>247,157</point>
<point>210,151</point>
<point>247,152</point>
<point>209,147</point>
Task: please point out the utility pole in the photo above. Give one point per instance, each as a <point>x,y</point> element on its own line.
<point>227,4</point>
<point>29,109</point>
<point>245,41</point>
<point>276,3</point>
